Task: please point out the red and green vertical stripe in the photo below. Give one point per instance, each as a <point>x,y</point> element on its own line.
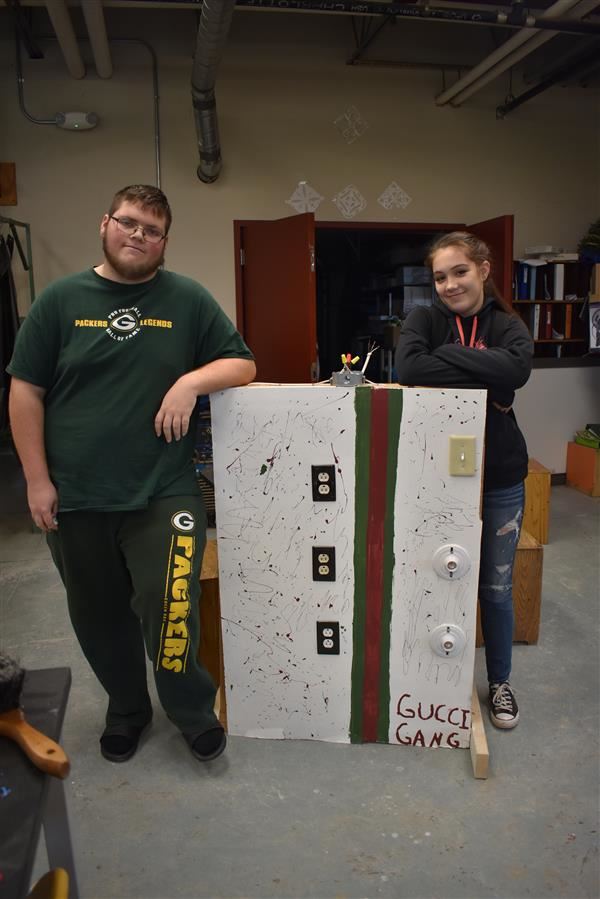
<point>378,416</point>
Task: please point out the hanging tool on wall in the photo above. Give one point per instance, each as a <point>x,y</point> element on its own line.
<point>45,754</point>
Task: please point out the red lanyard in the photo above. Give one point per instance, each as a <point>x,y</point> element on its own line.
<point>462,333</point>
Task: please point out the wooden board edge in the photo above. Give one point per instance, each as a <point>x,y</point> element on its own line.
<point>220,708</point>
<point>480,754</point>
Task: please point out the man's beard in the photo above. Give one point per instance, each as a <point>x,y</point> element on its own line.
<point>132,271</point>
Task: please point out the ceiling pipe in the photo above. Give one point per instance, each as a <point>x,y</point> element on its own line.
<point>514,49</point>
<point>23,26</point>
<point>536,41</point>
<point>155,95</point>
<point>70,121</point>
<point>517,18</point>
<point>471,14</point>
<point>96,27</point>
<point>63,119</point>
<point>63,28</point>
<point>215,21</point>
<point>559,74</point>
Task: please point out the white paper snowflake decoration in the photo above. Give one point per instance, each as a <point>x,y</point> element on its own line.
<point>351,124</point>
<point>350,201</point>
<point>305,198</point>
<point>394,197</point>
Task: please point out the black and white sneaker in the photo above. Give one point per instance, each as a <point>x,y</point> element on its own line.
<point>504,710</point>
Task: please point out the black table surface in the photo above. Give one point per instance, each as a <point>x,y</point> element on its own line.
<point>23,788</point>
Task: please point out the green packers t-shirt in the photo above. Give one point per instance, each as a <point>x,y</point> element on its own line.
<point>106,354</point>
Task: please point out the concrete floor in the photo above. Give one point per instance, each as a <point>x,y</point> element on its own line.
<point>308,819</point>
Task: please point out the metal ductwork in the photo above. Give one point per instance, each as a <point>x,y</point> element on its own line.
<point>215,21</point>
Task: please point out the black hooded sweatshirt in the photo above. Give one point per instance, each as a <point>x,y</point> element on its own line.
<point>491,350</point>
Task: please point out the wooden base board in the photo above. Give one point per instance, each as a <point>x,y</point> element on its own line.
<point>480,754</point>
<point>210,652</point>
<point>536,514</point>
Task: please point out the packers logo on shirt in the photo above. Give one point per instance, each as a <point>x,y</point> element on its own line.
<point>123,324</point>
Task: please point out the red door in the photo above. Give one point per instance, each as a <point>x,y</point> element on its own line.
<point>278,314</point>
<point>498,235</point>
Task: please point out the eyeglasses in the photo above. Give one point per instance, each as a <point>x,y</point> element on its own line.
<point>130,226</point>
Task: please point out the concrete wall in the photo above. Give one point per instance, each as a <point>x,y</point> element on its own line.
<point>281,85</point>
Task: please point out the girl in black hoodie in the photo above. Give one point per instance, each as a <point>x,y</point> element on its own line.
<point>470,338</point>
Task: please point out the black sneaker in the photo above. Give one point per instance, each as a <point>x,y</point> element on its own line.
<point>207,746</point>
<point>504,710</point>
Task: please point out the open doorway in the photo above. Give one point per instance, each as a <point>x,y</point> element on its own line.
<point>367,282</point>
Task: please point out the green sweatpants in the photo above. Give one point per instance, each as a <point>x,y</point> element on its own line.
<point>132,578</point>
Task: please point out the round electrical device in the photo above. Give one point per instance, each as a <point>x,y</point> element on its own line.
<point>447,640</point>
<point>451,561</point>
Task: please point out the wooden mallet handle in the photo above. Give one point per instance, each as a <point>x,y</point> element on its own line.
<point>45,754</point>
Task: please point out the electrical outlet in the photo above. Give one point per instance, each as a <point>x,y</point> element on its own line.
<point>323,562</point>
<point>462,455</point>
<point>328,638</point>
<point>323,483</point>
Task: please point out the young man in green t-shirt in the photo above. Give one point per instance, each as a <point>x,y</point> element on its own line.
<point>106,372</point>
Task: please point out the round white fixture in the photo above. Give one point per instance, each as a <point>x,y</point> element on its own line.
<point>447,640</point>
<point>451,561</point>
<point>76,121</point>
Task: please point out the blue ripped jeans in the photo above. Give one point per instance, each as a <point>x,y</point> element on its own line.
<point>502,517</point>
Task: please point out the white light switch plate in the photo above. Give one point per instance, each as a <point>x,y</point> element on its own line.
<point>462,455</point>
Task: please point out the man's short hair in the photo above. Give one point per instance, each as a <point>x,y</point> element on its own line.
<point>146,196</point>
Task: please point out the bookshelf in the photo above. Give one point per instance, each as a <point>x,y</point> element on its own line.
<point>551,296</point>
